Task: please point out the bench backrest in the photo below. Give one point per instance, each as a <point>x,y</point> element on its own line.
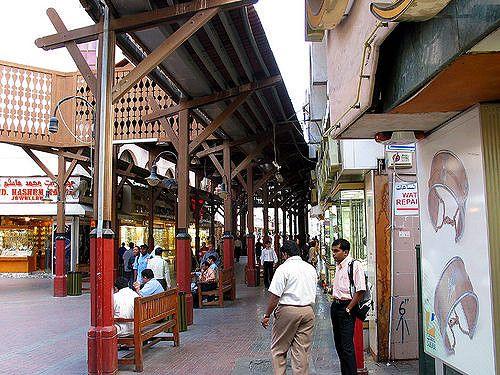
<point>151,309</point>
<point>226,276</point>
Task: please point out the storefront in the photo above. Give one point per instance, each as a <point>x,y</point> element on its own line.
<point>27,224</point>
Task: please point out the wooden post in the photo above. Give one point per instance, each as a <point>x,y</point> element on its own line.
<point>183,240</point>
<point>228,210</point>
<point>60,278</point>
<point>251,276</point>
<point>276,229</point>
<point>265,211</point>
<point>243,226</point>
<point>151,218</point>
<point>290,224</point>
<point>114,221</point>
<point>283,211</point>
<point>197,208</point>
<point>102,337</point>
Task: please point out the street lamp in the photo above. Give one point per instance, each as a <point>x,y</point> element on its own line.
<point>221,189</point>
<point>54,122</point>
<point>154,179</point>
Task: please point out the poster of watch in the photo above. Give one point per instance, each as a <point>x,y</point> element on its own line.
<point>456,282</point>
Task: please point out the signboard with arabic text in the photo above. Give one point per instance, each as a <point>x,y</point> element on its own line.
<point>34,189</point>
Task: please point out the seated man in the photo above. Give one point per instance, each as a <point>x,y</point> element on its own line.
<point>212,261</point>
<point>197,277</point>
<point>208,278</point>
<point>150,285</point>
<point>123,302</point>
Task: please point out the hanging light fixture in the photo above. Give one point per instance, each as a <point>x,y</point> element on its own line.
<point>195,161</point>
<point>153,179</point>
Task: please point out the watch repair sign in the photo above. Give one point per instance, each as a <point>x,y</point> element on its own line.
<point>405,199</point>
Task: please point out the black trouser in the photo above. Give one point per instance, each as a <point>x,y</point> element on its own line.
<point>237,253</point>
<point>343,334</point>
<point>205,287</point>
<point>268,273</point>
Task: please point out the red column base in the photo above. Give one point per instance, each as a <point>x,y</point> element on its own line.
<point>102,350</point>
<point>102,342</point>
<point>250,268</point>
<point>60,289</point>
<point>183,260</point>
<point>358,347</point>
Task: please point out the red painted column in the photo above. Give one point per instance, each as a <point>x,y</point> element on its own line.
<point>250,269</point>
<point>60,278</point>
<point>358,347</point>
<point>228,245</point>
<point>183,265</point>
<point>102,339</point>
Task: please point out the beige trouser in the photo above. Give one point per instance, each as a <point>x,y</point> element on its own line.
<point>292,329</point>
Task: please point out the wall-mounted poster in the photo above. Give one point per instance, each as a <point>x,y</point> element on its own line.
<point>456,283</point>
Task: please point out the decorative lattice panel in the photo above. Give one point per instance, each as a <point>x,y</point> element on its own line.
<point>25,103</point>
<point>130,109</point>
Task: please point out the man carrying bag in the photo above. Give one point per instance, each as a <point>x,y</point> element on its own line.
<point>345,307</point>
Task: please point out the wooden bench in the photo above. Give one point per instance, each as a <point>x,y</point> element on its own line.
<point>225,283</point>
<point>152,315</point>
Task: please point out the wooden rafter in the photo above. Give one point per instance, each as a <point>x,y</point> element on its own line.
<point>72,166</point>
<point>74,51</point>
<point>214,160</point>
<point>250,157</point>
<point>263,180</point>
<point>136,22</point>
<point>165,49</point>
<point>174,139</point>
<point>218,121</point>
<point>213,98</point>
<point>39,163</point>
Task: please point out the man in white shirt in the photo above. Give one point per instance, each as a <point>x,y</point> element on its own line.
<point>160,268</point>
<point>344,301</point>
<point>293,293</point>
<point>268,260</point>
<point>123,303</point>
<point>150,287</point>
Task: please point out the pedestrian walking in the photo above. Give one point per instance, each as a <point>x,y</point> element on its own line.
<point>292,295</point>
<point>237,249</point>
<point>344,303</point>
<point>268,260</point>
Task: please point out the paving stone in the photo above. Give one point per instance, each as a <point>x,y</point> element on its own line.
<point>46,335</point>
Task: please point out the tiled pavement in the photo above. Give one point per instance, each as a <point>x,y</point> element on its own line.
<point>45,335</point>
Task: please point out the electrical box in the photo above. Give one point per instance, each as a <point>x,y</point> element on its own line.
<point>396,159</point>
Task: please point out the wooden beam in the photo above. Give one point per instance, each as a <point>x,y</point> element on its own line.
<point>70,155</point>
<point>208,151</point>
<point>213,98</point>
<point>75,52</point>
<point>218,121</point>
<point>239,177</point>
<point>81,35</point>
<point>214,160</point>
<point>148,19</point>
<point>174,139</point>
<point>263,180</point>
<point>40,163</point>
<point>135,22</point>
<point>72,166</point>
<point>250,157</point>
<point>165,49</point>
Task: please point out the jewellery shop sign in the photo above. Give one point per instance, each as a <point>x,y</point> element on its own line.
<point>35,190</point>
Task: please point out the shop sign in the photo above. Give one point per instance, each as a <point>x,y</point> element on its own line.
<point>34,189</point>
<point>405,199</point>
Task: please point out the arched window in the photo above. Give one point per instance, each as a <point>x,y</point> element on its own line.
<point>128,156</point>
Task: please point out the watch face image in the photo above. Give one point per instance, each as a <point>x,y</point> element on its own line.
<point>448,190</point>
<point>456,305</point>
